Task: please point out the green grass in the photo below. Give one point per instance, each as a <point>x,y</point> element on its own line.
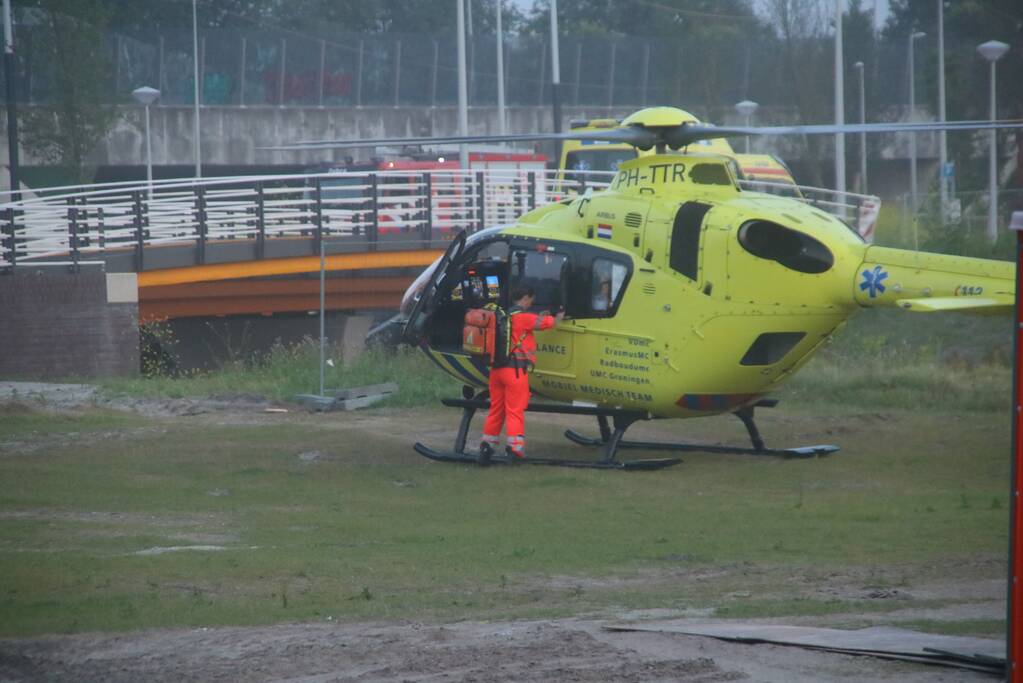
<point>365,529</point>
<point>286,372</point>
<point>368,530</point>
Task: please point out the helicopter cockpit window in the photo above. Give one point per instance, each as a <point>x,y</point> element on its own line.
<point>597,159</point>
<point>545,272</point>
<point>790,248</point>
<point>606,283</point>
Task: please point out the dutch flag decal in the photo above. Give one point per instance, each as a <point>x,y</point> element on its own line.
<point>604,231</point>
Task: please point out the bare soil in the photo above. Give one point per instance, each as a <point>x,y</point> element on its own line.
<point>558,650</point>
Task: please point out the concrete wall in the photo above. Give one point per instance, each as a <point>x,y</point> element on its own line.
<point>58,325</point>
<point>231,135</point>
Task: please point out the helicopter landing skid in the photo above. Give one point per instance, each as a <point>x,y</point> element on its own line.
<point>744,414</point>
<point>622,419</point>
<point>471,458</point>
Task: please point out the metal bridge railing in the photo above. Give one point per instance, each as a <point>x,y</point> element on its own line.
<point>72,226</point>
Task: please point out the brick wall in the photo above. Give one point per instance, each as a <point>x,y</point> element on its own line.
<point>59,325</point>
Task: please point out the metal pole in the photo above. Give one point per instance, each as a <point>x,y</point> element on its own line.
<point>284,67</point>
<point>992,169</point>
<point>358,80</point>
<point>12,112</point>
<point>470,46</point>
<point>502,128</point>
<point>839,101</point>
<point>160,85</point>
<point>555,74</point>
<point>241,76</point>
<point>323,281</point>
<point>578,65</point>
<point>1014,643</point>
<point>611,78</point>
<point>646,77</point>
<point>323,67</point>
<point>195,77</point>
<point>912,136</point>
<point>397,71</point>
<point>463,108</point>
<point>863,136</point>
<point>433,75</point>
<point>942,140</point>
<point>149,158</point>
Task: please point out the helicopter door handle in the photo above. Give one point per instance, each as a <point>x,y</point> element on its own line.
<point>582,205</point>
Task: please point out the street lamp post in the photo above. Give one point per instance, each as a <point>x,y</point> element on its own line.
<point>863,136</point>
<point>943,178</point>
<point>839,101</point>
<point>501,125</point>
<point>914,205</point>
<point>747,108</point>
<point>195,88</point>
<point>463,107</point>
<point>146,96</point>
<point>992,51</point>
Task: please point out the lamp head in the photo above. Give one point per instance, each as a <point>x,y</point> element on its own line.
<point>992,50</point>
<point>746,107</point>
<point>145,95</point>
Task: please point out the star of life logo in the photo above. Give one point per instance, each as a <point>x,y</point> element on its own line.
<point>872,281</point>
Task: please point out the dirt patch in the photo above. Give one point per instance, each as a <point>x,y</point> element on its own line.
<point>562,650</point>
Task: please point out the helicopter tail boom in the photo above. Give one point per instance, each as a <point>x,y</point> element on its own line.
<point>928,283</point>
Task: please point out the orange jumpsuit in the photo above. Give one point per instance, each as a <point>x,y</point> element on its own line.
<point>509,386</point>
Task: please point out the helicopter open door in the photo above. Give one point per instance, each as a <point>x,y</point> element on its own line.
<point>426,305</point>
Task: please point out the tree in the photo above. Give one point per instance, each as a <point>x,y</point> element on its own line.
<point>967,24</point>
<point>807,62</point>
<point>69,46</point>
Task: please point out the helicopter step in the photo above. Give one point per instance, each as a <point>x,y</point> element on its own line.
<point>744,414</point>
<point>622,419</point>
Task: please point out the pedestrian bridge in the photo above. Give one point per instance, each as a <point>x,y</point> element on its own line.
<point>225,246</point>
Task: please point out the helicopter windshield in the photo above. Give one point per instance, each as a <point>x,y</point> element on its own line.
<point>598,159</point>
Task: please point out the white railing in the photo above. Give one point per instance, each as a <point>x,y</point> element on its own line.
<point>81,224</point>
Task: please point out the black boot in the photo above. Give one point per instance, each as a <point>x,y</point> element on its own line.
<point>486,450</point>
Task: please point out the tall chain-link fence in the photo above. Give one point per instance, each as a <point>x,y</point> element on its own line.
<point>250,68</point>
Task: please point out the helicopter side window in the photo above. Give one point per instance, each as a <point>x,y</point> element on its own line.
<point>543,271</point>
<point>607,278</point>
<point>790,248</point>
<point>685,239</point>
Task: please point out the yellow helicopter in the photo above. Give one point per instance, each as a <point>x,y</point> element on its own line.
<point>685,295</point>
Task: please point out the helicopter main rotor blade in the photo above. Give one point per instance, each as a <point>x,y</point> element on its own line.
<point>693,132</point>
<point>631,135</point>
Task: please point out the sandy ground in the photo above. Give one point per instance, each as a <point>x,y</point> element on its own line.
<point>577,649</point>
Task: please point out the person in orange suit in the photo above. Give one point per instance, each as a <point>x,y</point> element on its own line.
<point>509,384</point>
